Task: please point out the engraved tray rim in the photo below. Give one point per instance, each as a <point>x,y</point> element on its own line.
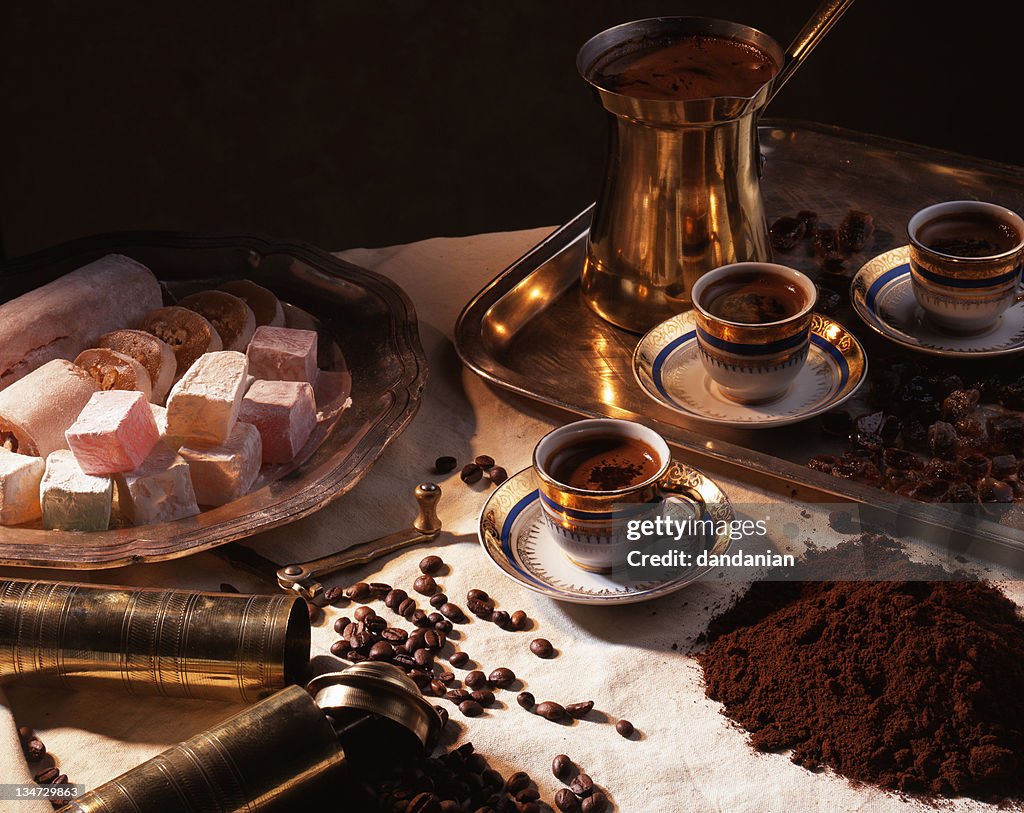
<point>750,466</point>
<point>352,453</point>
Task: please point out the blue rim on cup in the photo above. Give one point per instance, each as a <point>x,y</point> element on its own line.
<point>753,363</point>
<point>958,293</point>
<point>587,524</point>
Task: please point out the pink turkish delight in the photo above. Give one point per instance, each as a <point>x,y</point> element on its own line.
<point>114,432</point>
<point>284,413</point>
<point>282,354</point>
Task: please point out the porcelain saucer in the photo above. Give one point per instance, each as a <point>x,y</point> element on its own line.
<point>668,367</point>
<point>882,295</point>
<point>515,537</point>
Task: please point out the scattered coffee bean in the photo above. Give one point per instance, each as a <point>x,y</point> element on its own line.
<point>527,795</point>
<point>438,688</point>
<point>502,677</point>
<point>334,595</point>
<point>339,648</point>
<point>476,680</point>
<point>47,776</point>
<point>360,591</point>
<point>526,700</point>
<point>404,661</point>
<point>562,767</point>
<point>477,595</point>
<point>425,584</point>
<point>582,785</point>
<point>518,781</point>
<point>424,658</point>
<point>566,801</point>
<point>406,608</point>
<point>596,802</point>
<point>500,618</point>
<point>453,612</point>
<point>480,608</point>
<point>381,651</point>
<point>542,648</point>
<point>457,695</point>
<point>419,618</point>
<point>471,473</point>
<point>471,708</point>
<point>438,599</point>
<point>458,659</point>
<point>519,620</point>
<point>485,697</point>
<point>395,635</point>
<point>375,625</point>
<point>394,598</point>
<point>379,589</point>
<point>445,464</point>
<point>577,710</point>
<point>484,461</point>
<point>432,640</point>
<point>341,623</point>
<point>492,779</point>
<point>497,475</point>
<point>550,711</point>
<point>446,677</point>
<point>420,678</point>
<point>363,612</point>
<point>423,803</point>
<point>431,564</point>
<point>314,612</point>
<point>444,626</point>
<point>625,728</point>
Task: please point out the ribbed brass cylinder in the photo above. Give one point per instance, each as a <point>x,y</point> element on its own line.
<point>176,643</point>
<point>273,756</point>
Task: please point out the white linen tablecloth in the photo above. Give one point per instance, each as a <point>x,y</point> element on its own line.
<point>631,661</point>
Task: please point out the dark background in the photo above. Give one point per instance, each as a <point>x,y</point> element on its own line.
<point>363,124</point>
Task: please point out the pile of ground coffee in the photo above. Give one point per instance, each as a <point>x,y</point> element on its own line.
<point>914,686</point>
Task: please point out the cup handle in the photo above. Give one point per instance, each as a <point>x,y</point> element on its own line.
<point>669,488</point>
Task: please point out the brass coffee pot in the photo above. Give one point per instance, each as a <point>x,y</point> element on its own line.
<point>682,183</point>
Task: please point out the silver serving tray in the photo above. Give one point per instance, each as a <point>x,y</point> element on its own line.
<point>530,331</point>
<point>364,315</point>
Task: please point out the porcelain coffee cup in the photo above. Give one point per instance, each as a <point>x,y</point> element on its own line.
<point>960,290</point>
<point>588,523</point>
<point>753,362</point>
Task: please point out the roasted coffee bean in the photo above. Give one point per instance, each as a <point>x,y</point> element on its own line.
<point>339,648</point>
<point>480,608</point>
<point>445,464</point>
<point>527,795</point>
<point>625,728</point>
<point>526,700</point>
<point>453,612</point>
<point>394,635</point>
<point>34,749</point>
<point>542,648</point>
<point>786,232</point>
<point>361,640</point>
<point>484,461</point>
<point>582,785</point>
<point>435,618</point>
<point>438,688</point>
<point>471,708</point>
<point>355,656</point>
<point>431,641</point>
<point>550,711</point>
<point>419,618</point>
<point>492,779</point>
<point>577,710</point>
<point>381,651</point>
<point>334,595</point>
<point>471,473</point>
<point>596,802</point>
<point>424,658</point>
<point>519,620</point>
<point>562,767</point>
<point>375,625</point>
<point>406,608</point>
<point>341,623</point>
<point>476,680</point>
<point>502,677</point>
<point>394,598</point>
<point>425,584</point>
<point>47,776</point>
<point>485,697</point>
<point>351,628</point>
<point>380,589</point>
<point>497,475</point>
<point>442,712</point>
<point>458,659</point>
<point>476,594</point>
<point>438,599</point>
<point>446,677</point>
<point>314,612</point>
<point>457,695</point>
<point>423,803</point>
<point>444,626</point>
<point>364,612</point>
<point>416,641</point>
<point>566,801</point>
<point>404,661</point>
<point>501,619</point>
<point>420,678</point>
<point>431,564</point>
<point>360,591</point>
<point>518,781</point>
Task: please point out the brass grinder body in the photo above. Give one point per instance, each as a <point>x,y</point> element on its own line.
<point>288,750</point>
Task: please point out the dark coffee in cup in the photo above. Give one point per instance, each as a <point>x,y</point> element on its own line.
<point>695,66</point>
<point>603,462</point>
<point>754,298</point>
<point>968,234</point>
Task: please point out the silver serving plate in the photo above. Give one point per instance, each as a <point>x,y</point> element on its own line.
<point>531,332</point>
<point>367,327</point>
